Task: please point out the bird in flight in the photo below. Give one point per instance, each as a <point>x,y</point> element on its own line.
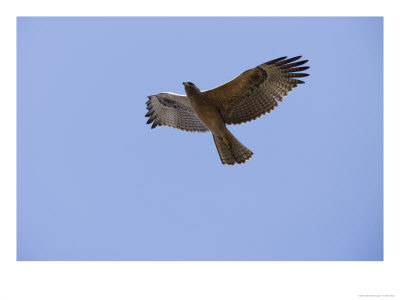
<point>245,98</point>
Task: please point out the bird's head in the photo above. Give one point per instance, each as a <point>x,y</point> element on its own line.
<point>191,88</point>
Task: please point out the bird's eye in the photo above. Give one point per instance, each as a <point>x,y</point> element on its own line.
<point>190,83</point>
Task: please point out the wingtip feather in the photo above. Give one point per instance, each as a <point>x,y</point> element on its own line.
<point>151,119</point>
<point>285,62</point>
<point>275,60</point>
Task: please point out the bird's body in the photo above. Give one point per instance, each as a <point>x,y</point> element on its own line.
<point>229,148</point>
<point>245,98</point>
<point>206,112</point>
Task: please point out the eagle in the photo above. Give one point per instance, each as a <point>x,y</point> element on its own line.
<point>247,97</point>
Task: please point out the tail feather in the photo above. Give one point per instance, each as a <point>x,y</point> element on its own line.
<point>230,150</point>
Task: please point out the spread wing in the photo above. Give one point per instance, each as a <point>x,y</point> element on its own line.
<point>173,110</point>
<point>256,91</point>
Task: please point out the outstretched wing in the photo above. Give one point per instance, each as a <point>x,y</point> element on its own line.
<point>256,91</point>
<point>173,110</point>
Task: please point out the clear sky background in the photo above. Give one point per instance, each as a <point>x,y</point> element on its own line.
<point>96,183</point>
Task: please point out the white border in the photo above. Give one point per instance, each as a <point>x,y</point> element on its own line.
<point>195,280</point>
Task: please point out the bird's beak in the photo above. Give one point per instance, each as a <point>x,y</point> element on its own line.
<point>184,83</point>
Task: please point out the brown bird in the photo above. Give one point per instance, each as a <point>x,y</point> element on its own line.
<point>247,97</point>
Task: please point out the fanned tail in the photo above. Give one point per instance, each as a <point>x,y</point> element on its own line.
<point>230,150</point>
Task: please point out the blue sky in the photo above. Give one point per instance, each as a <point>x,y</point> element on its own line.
<point>96,183</point>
